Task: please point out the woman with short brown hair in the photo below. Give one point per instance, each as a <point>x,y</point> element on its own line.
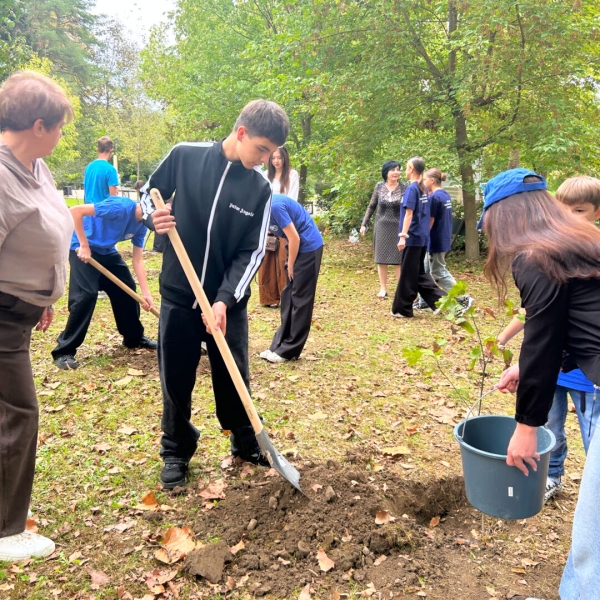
<point>35,232</point>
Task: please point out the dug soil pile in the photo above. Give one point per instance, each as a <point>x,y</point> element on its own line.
<point>370,533</point>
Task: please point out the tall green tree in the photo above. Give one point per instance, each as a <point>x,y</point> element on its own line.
<point>469,85</point>
<point>13,46</point>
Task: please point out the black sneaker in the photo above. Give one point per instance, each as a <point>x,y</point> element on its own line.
<point>145,342</point>
<point>66,362</point>
<point>244,444</point>
<point>465,302</point>
<point>174,474</point>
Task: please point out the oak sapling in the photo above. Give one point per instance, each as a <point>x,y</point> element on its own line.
<point>484,349</point>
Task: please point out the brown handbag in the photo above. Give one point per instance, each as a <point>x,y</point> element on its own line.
<point>272,243</point>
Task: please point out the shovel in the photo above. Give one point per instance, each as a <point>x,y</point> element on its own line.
<point>118,282</point>
<point>277,461</point>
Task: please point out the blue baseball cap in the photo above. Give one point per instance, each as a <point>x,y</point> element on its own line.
<point>507,184</point>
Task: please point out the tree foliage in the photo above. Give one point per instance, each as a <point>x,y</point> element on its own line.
<point>468,85</point>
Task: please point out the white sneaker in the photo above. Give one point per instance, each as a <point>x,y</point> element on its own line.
<point>23,546</point>
<point>382,294</point>
<point>553,488</point>
<point>265,354</point>
<point>275,358</point>
<point>398,315</point>
<point>102,295</point>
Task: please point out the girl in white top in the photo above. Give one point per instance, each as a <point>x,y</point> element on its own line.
<point>283,179</point>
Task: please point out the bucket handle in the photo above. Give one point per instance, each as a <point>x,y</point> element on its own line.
<point>470,412</point>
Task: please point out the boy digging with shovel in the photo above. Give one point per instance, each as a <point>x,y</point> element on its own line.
<point>221,209</point>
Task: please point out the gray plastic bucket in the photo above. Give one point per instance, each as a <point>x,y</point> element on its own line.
<point>492,486</point>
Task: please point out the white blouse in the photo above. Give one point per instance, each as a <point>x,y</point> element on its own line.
<point>294,185</point>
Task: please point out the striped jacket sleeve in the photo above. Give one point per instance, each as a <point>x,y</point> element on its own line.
<point>248,258</point>
<point>163,179</point>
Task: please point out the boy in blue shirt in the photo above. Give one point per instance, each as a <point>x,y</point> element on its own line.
<point>98,227</point>
<point>581,195</point>
<point>100,178</point>
<point>413,239</point>
<point>290,220</point>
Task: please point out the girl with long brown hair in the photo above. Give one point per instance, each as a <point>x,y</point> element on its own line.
<point>271,274</point>
<point>554,258</point>
<point>413,238</point>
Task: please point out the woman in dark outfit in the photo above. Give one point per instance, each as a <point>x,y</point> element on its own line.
<point>413,238</point>
<point>386,199</point>
<point>554,257</point>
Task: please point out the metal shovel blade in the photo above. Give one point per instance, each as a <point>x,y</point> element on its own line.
<point>277,460</point>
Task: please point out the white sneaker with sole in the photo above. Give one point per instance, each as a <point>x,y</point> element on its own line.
<point>275,358</point>
<point>23,546</point>
<point>382,294</point>
<point>265,354</point>
<point>553,488</point>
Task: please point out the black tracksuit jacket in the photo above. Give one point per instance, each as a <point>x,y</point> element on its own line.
<point>222,214</point>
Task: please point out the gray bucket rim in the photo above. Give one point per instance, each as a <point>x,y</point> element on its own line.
<point>551,444</point>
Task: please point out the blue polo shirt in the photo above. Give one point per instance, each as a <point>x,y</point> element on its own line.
<point>575,380</point>
<point>98,176</point>
<point>114,222</point>
<point>418,232</point>
<point>440,236</point>
<point>284,211</point>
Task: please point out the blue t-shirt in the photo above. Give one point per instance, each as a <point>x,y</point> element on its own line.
<point>284,211</point>
<point>440,235</point>
<point>418,232</point>
<point>114,222</point>
<point>97,178</point>
<point>575,380</point>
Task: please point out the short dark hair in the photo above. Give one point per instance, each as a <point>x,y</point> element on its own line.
<point>388,165</point>
<point>265,119</point>
<point>139,184</point>
<point>27,96</point>
<point>579,189</point>
<point>105,144</point>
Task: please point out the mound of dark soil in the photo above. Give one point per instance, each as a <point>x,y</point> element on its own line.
<point>287,535</point>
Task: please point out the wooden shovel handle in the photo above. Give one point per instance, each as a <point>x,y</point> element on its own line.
<point>207,310</point>
<point>122,285</point>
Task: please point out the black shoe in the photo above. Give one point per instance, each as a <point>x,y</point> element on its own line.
<point>244,445</point>
<point>174,474</point>
<point>66,362</point>
<point>145,342</point>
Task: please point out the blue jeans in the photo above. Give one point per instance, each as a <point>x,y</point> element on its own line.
<point>581,577</point>
<point>587,413</point>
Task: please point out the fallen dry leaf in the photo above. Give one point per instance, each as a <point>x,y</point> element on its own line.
<point>98,577</point>
<point>248,469</point>
<point>271,473</point>
<point>214,490</point>
<point>318,416</point>
<point>435,521</point>
<point>149,502</point>
<point>101,448</point>
<point>369,591</point>
<point>305,593</point>
<point>396,451</point>
<point>382,517</point>
<point>325,563</point>
<point>315,487</point>
<point>176,543</point>
<point>380,560</point>
<point>31,525</point>
<point>123,382</point>
<point>239,546</point>
<point>75,556</point>
<point>227,462</point>
<point>126,430</point>
<point>114,470</point>
<point>135,372</point>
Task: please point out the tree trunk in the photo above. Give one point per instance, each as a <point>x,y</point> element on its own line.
<point>306,129</point>
<point>514,158</point>
<point>468,187</point>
